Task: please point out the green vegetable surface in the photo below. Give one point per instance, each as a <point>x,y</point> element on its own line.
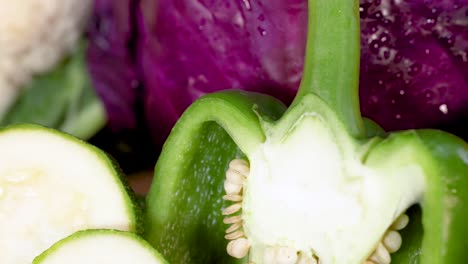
<point>99,246</point>
<point>52,185</point>
<point>316,183</point>
<point>63,99</point>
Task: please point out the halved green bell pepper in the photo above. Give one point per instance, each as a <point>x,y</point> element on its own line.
<point>318,182</point>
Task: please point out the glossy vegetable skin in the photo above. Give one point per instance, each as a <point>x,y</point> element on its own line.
<point>169,53</point>
<point>322,130</point>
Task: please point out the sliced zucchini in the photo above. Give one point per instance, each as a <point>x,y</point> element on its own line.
<point>52,185</point>
<point>99,247</point>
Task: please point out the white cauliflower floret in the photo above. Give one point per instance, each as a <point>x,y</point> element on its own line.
<point>34,36</point>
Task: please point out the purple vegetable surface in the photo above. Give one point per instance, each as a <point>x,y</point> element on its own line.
<point>198,47</point>
<point>414,65</point>
<point>111,60</point>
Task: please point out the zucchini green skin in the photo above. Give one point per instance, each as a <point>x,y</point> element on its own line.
<point>134,210</point>
<point>183,219</point>
<point>75,185</point>
<point>131,237</point>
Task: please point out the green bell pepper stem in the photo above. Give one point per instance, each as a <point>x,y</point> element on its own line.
<point>331,69</point>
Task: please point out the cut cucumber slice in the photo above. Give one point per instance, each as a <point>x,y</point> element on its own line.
<point>101,246</point>
<point>52,185</point>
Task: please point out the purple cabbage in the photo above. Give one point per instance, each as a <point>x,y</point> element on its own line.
<point>414,65</point>
<point>198,47</point>
<point>111,60</point>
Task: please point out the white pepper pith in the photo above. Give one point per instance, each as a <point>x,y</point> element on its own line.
<point>239,244</point>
